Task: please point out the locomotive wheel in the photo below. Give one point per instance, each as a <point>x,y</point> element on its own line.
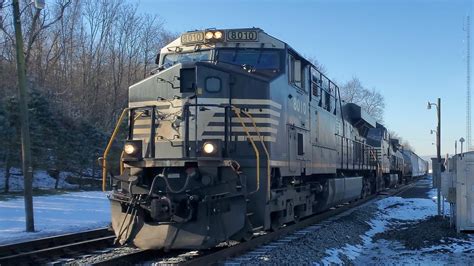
<point>276,222</point>
<point>245,234</point>
<point>366,189</point>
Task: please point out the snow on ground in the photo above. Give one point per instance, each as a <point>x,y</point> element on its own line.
<point>54,214</point>
<point>403,214</point>
<point>41,180</point>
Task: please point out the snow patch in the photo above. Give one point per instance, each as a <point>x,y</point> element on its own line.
<point>56,214</point>
<point>406,209</point>
<point>389,209</point>
<point>41,180</point>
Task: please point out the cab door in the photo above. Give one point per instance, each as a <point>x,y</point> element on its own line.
<point>298,115</point>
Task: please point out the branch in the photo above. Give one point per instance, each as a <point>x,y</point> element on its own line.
<point>35,33</point>
<point>2,27</point>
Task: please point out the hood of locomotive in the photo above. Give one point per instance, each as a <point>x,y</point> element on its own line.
<point>207,88</point>
<point>171,180</point>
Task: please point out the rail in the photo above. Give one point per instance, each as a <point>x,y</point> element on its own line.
<point>43,250</point>
<point>227,256</point>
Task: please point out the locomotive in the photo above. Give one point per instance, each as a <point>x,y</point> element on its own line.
<point>234,133</point>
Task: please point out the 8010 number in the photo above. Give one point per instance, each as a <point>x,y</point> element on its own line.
<point>248,35</point>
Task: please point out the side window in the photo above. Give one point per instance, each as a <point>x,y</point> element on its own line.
<point>332,89</point>
<point>291,65</point>
<point>327,100</point>
<point>315,81</point>
<point>296,74</point>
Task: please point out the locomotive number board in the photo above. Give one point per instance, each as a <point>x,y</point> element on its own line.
<point>242,35</point>
<point>192,37</point>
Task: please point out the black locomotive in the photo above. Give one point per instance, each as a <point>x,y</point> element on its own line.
<point>236,132</point>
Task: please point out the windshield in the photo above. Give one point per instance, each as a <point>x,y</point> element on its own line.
<point>257,58</point>
<point>171,59</point>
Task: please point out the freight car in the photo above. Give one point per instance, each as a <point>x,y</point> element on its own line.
<point>237,132</point>
<point>416,166</point>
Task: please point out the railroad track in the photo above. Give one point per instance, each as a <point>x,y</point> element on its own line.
<point>68,246</point>
<point>216,255</point>
<point>44,250</point>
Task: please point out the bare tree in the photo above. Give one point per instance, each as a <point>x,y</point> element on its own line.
<point>83,55</point>
<point>320,67</point>
<point>370,100</point>
<point>403,142</point>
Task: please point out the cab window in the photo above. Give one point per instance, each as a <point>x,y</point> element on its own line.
<point>315,83</point>
<point>174,58</point>
<point>258,58</point>
<point>296,72</point>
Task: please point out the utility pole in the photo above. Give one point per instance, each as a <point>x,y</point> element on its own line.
<point>468,84</point>
<point>438,151</point>
<point>25,130</point>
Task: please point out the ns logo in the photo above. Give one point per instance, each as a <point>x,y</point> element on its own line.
<point>299,106</point>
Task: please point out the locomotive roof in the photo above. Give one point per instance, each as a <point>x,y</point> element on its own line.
<point>227,38</point>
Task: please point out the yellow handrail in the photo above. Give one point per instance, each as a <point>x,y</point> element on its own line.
<point>109,146</point>
<point>266,152</point>
<point>257,154</point>
<point>121,162</point>
<point>123,153</point>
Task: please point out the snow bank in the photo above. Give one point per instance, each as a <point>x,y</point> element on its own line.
<point>55,214</point>
<point>406,209</point>
<point>41,180</point>
<point>389,209</point>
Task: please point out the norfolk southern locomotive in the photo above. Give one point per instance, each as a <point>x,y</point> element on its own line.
<point>237,132</point>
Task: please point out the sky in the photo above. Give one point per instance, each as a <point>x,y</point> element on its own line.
<point>412,52</point>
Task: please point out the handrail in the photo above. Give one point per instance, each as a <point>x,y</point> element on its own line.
<point>266,152</point>
<point>237,112</point>
<point>376,159</point>
<point>109,146</point>
<point>121,162</point>
<point>257,154</point>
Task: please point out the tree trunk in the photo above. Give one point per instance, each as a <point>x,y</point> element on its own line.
<point>57,181</point>
<point>93,168</point>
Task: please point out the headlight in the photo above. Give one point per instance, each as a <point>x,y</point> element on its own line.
<point>129,148</point>
<point>132,150</point>
<point>209,35</point>
<point>208,148</point>
<point>217,35</point>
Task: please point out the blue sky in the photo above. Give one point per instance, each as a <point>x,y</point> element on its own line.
<point>411,51</point>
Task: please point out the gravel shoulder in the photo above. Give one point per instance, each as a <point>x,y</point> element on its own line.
<point>395,230</point>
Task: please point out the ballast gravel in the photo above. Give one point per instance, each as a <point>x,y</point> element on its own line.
<point>417,235</point>
<point>312,247</point>
<point>392,231</point>
<point>101,255</point>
